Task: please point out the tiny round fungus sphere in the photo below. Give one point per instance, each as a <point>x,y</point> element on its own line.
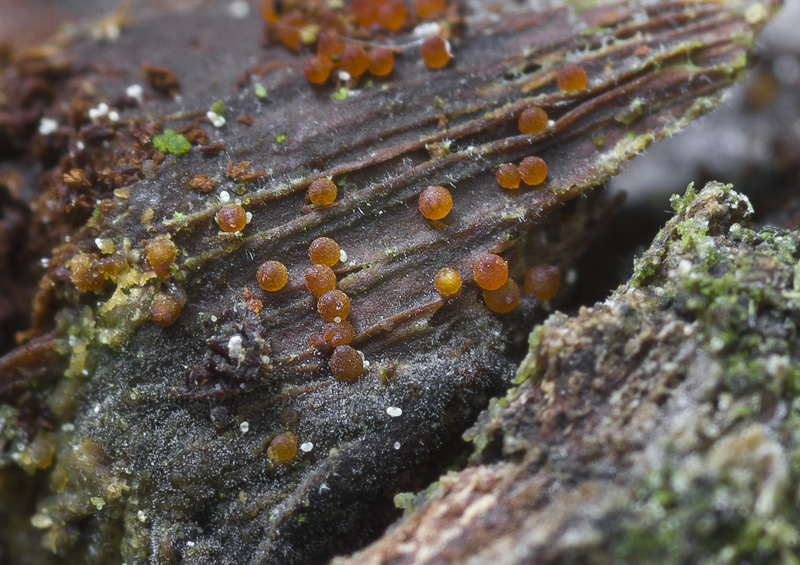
<point>165,309</point>
<point>317,69</point>
<point>322,192</point>
<point>447,281</point>
<point>429,9</point>
<point>381,61</point>
<point>329,47</point>
<point>490,271</point>
<point>289,417</point>
<point>346,364</point>
<point>84,272</point>
<point>354,61</point>
<point>333,306</point>
<point>572,78</point>
<point>319,279</point>
<point>435,202</point>
<point>364,11</point>
<point>392,14</point>
<point>435,52</point>
<point>231,218</point>
<point>542,281</point>
<point>532,121</point>
<point>503,299</point>
<point>324,251</point>
<point>282,448</point>
<point>533,170</point>
<point>508,176</point>
<point>160,254</point>
<point>288,29</point>
<point>338,334</point>
<point>272,276</point>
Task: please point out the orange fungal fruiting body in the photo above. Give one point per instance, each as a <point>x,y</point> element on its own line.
<point>317,69</point>
<point>112,267</point>
<point>288,29</point>
<point>268,12</point>
<point>165,309</point>
<point>435,52</point>
<point>542,281</point>
<point>447,282</point>
<point>329,47</point>
<point>503,299</point>
<point>333,306</point>
<point>392,14</point>
<point>381,61</point>
<point>282,448</point>
<point>490,271</point>
<point>354,61</point>
<point>319,279</point>
<point>84,272</point>
<point>508,176</point>
<point>533,170</point>
<point>430,9</point>
<point>435,202</point>
<point>324,251</point>
<point>532,121</point>
<point>272,276</point>
<point>364,11</point>
<point>160,254</point>
<point>338,334</point>
<point>289,417</point>
<point>231,218</point>
<point>572,78</point>
<point>322,192</point>
<point>346,363</point>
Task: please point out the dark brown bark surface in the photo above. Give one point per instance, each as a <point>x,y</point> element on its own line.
<point>153,444</point>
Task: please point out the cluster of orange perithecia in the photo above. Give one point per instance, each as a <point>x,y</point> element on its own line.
<point>88,272</point>
<point>351,59</point>
<point>333,305</point>
<point>500,293</point>
<point>532,171</point>
<point>490,272</point>
<point>341,31</point>
<point>294,22</point>
<point>160,254</point>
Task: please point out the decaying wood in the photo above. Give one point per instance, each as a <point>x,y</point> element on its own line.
<point>658,426</point>
<point>159,436</point>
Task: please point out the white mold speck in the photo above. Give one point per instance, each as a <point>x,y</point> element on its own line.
<point>136,92</point>
<point>216,120</point>
<point>98,111</point>
<point>47,126</point>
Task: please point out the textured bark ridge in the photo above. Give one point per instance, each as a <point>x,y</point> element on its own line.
<point>660,425</point>
<point>125,441</point>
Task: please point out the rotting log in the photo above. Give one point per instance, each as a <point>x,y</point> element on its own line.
<point>156,444</point>
<point>658,426</point>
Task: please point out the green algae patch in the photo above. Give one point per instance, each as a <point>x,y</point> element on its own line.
<point>171,142</point>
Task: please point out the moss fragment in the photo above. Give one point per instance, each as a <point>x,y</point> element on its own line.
<point>171,142</point>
